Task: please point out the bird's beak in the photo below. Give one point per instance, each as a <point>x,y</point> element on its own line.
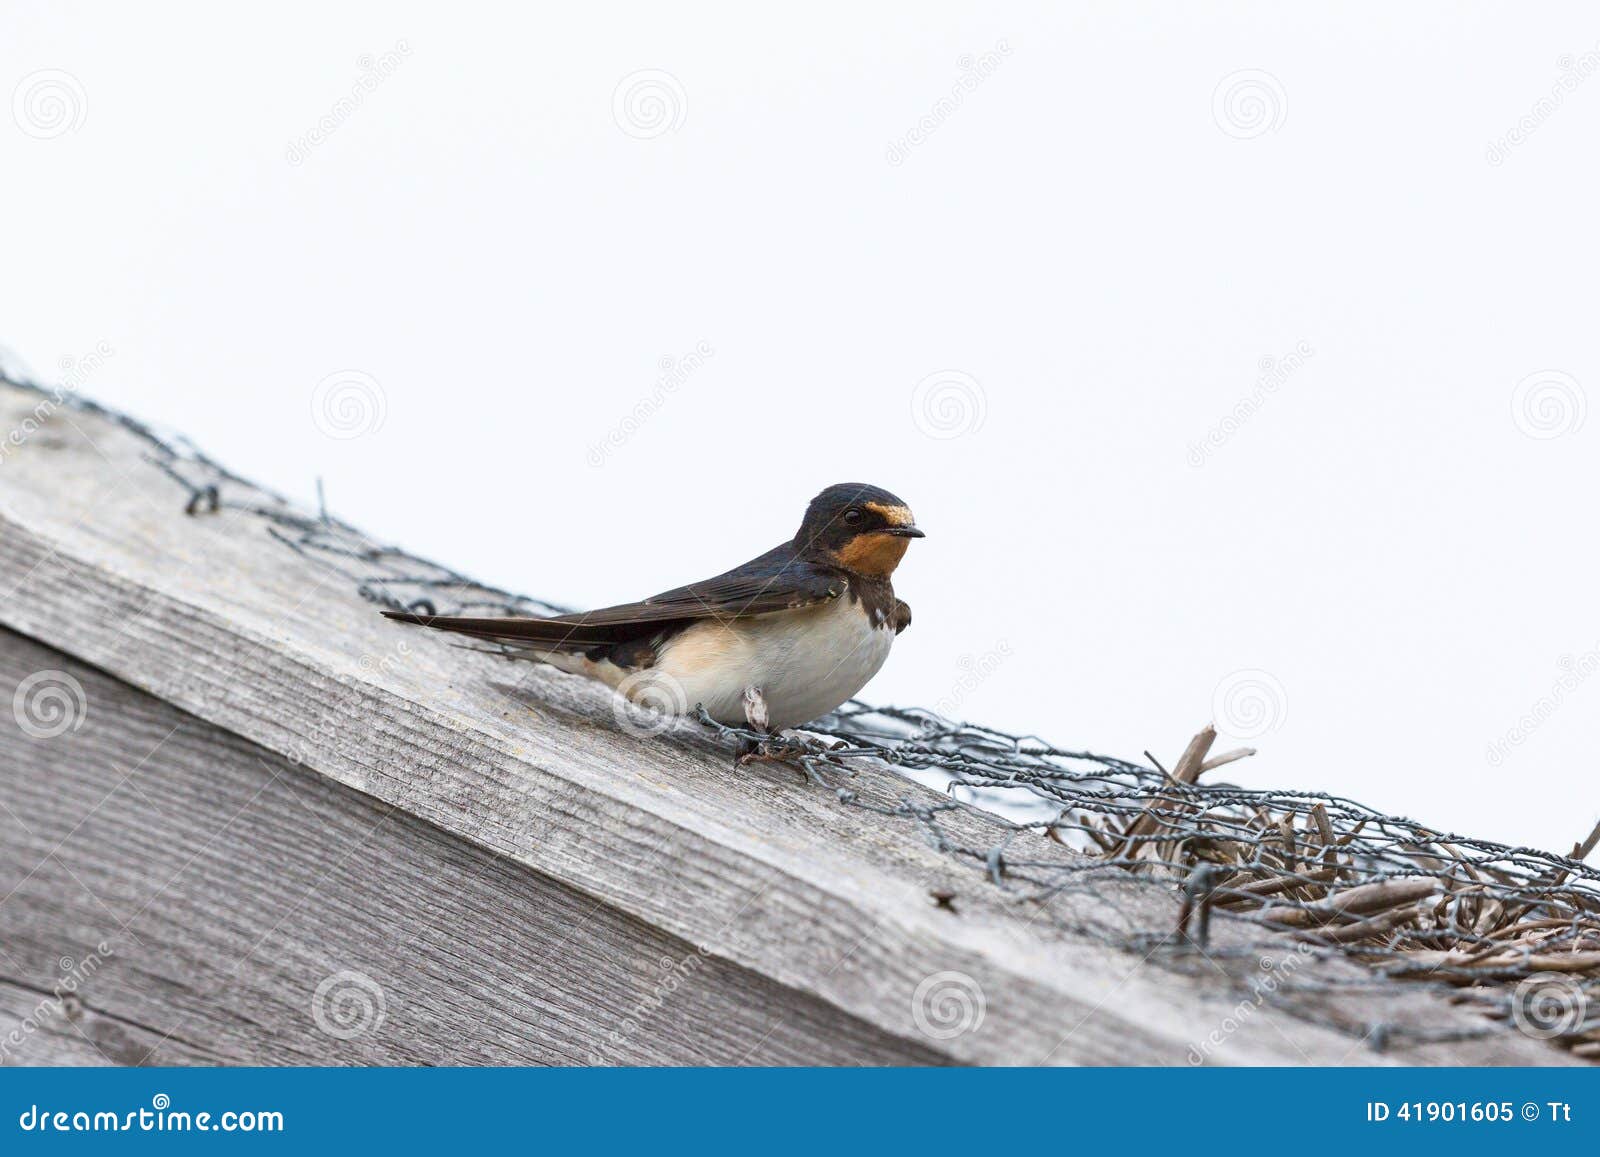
<point>902,532</point>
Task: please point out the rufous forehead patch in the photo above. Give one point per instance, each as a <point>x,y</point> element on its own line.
<point>893,515</point>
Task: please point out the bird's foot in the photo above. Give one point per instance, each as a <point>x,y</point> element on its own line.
<point>773,749</point>
<point>776,748</point>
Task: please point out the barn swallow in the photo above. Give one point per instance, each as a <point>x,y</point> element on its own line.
<point>774,643</point>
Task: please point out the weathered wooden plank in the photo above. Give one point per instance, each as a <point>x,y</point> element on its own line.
<point>775,876</point>
<point>37,1028</point>
<point>197,898</point>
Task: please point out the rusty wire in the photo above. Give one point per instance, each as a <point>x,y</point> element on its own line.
<point>1512,931</point>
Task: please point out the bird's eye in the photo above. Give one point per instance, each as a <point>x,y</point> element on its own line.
<point>852,515</point>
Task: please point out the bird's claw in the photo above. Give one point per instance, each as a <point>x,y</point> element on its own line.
<point>773,750</point>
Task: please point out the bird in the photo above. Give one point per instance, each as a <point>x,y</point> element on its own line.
<point>774,643</point>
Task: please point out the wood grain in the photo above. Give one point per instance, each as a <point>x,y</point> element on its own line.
<point>772,877</point>
<point>226,884</point>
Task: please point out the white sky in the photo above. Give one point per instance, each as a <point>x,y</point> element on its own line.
<point>1097,237</point>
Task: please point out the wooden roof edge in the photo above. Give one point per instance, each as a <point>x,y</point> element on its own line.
<point>213,614</point>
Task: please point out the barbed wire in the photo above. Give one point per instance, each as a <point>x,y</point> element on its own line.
<point>1511,931</point>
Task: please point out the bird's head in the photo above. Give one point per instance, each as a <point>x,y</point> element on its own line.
<point>858,527</point>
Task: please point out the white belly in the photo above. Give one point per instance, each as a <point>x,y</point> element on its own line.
<point>806,662</point>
